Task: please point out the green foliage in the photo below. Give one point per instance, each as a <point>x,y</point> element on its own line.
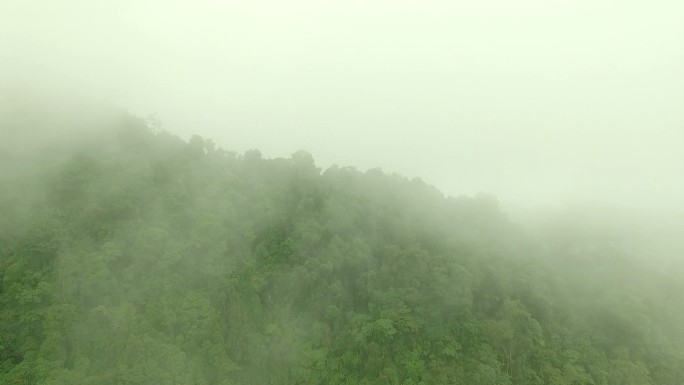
<point>143,259</point>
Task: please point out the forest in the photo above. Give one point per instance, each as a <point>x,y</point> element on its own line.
<point>129,256</point>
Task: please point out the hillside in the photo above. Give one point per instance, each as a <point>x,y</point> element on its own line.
<point>129,256</point>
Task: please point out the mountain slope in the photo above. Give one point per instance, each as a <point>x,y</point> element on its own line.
<point>130,256</point>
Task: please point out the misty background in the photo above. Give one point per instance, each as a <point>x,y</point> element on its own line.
<point>540,103</point>
<point>543,244</point>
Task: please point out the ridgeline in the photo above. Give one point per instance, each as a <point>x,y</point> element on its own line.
<point>131,257</point>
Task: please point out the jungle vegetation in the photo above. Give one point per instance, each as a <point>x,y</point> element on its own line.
<point>129,256</point>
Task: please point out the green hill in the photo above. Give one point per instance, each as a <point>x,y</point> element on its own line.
<point>130,256</point>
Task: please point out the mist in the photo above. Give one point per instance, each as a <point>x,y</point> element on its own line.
<point>357,192</point>
<point>541,104</point>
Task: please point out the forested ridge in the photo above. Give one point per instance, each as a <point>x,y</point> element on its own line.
<point>130,256</point>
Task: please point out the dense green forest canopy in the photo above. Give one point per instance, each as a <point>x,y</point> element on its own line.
<point>129,256</point>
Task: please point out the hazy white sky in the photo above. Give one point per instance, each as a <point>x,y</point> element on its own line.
<point>534,101</point>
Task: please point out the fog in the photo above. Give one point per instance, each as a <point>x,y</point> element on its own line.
<point>540,103</point>
<point>341,192</point>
